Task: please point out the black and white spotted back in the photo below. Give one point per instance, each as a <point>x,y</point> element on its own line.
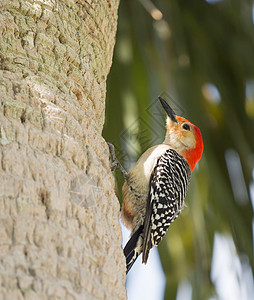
<point>168,186</point>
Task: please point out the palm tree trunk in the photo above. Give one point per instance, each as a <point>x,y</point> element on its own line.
<point>59,232</point>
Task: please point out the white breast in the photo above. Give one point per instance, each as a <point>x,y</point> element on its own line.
<point>150,157</point>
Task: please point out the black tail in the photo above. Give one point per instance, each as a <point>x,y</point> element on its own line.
<point>133,248</point>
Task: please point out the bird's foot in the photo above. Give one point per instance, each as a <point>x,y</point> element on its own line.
<point>115,161</point>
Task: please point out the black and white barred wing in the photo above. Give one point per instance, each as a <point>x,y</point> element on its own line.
<point>168,186</point>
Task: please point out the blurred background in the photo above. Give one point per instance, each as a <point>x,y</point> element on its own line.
<point>199,56</point>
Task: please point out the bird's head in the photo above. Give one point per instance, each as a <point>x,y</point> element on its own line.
<point>183,136</point>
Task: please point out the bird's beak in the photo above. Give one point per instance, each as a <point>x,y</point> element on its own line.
<point>168,109</point>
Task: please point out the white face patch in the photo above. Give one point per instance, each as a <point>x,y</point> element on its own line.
<point>180,142</point>
<point>189,141</point>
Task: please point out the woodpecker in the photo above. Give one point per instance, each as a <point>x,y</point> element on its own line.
<point>154,190</point>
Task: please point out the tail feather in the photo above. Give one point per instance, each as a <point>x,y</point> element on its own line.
<point>133,248</point>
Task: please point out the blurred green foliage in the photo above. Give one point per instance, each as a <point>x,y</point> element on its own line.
<point>200,57</point>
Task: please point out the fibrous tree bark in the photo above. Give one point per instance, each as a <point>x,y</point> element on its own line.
<point>59,231</point>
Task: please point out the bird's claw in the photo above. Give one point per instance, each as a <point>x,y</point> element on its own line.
<point>115,162</point>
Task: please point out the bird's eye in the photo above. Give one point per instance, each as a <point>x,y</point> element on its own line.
<point>186,127</point>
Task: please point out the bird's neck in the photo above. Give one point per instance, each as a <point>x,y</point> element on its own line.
<point>192,156</point>
<point>188,155</point>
